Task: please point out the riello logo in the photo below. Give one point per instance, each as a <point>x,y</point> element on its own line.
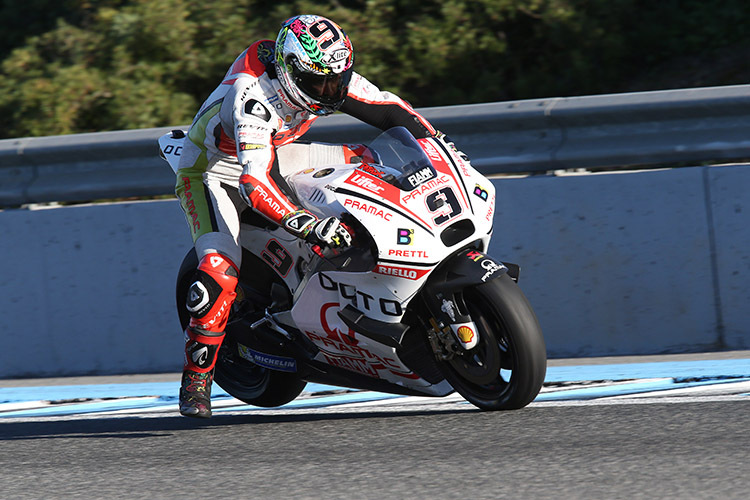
<point>401,272</point>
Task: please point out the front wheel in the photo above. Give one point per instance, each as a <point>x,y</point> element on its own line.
<point>506,369</point>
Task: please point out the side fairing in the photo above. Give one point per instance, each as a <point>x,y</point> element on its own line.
<point>315,314</point>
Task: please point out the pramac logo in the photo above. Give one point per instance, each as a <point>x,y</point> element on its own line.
<point>189,205</point>
<point>370,209</point>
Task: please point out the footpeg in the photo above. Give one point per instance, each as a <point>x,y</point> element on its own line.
<point>269,321</point>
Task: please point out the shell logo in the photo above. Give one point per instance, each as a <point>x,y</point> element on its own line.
<point>466,334</point>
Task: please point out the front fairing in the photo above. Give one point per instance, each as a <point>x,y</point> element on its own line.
<point>420,202</point>
<point>417,204</point>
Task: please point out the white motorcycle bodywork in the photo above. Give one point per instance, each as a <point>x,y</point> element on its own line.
<point>421,203</point>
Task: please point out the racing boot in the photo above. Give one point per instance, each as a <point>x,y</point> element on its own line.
<point>195,394</point>
<point>198,373</point>
<point>209,301</point>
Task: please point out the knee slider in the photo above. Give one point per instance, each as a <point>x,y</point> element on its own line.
<point>211,295</point>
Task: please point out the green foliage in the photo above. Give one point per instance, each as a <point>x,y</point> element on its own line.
<point>77,66</point>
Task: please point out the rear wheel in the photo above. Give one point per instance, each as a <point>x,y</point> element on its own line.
<point>242,379</point>
<point>506,369</point>
<point>251,383</point>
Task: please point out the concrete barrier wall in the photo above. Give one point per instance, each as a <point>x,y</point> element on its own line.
<point>614,264</point>
<point>632,263</point>
<point>90,289</point>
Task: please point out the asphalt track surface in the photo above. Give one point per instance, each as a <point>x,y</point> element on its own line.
<point>678,430</point>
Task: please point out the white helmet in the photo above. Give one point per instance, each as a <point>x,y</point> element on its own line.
<point>314,63</point>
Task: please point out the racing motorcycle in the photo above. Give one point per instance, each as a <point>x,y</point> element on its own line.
<point>414,306</point>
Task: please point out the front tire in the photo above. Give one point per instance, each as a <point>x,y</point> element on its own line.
<point>506,369</point>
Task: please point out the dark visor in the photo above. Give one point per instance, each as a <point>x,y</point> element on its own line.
<point>328,89</point>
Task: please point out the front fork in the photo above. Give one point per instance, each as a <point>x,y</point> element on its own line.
<point>463,328</point>
<point>452,332</point>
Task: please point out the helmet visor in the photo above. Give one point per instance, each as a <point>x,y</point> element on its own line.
<point>326,89</point>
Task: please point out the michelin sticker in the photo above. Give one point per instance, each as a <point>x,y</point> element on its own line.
<point>269,361</point>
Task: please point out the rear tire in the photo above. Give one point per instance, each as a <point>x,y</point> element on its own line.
<point>253,384</point>
<point>506,369</point>
<point>242,379</point>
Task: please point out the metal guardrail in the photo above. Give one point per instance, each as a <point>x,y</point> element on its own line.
<point>645,128</point>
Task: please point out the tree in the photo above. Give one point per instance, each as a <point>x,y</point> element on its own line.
<point>85,66</point>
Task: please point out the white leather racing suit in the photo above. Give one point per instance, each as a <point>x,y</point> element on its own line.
<point>246,128</point>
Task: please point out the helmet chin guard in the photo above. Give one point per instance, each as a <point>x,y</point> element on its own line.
<point>314,63</point>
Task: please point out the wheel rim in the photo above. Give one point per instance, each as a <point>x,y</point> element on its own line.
<point>236,374</point>
<point>481,364</point>
<point>487,369</point>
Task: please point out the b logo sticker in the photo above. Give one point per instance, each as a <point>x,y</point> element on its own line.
<point>404,236</point>
<point>480,191</point>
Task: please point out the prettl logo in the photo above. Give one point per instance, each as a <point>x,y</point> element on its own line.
<point>490,209</point>
<point>366,183</point>
<point>404,236</point>
<point>410,254</point>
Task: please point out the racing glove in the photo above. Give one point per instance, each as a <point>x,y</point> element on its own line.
<point>450,145</point>
<point>328,232</point>
<point>245,187</point>
<point>245,190</point>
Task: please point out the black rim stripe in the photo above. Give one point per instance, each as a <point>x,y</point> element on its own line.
<point>457,174</point>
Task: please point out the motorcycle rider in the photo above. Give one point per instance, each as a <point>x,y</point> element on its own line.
<point>238,149</point>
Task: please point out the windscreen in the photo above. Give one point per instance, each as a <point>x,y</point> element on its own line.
<point>402,159</point>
